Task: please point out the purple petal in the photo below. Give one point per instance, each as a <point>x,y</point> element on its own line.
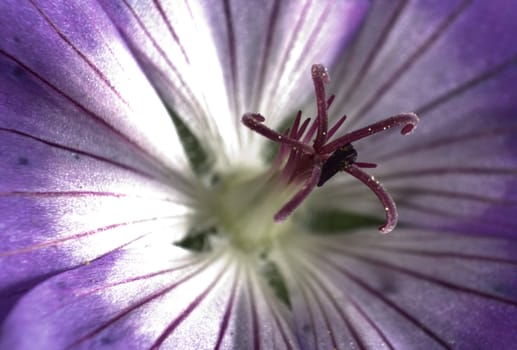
<point>410,289</point>
<point>456,69</point>
<point>73,55</point>
<point>150,295</point>
<point>422,50</point>
<point>212,61</point>
<point>83,172</point>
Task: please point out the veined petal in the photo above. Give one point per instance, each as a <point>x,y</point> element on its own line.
<point>459,76</point>
<point>150,295</point>
<point>410,53</point>
<point>410,289</point>
<point>71,52</point>
<point>458,174</point>
<point>88,156</point>
<point>212,61</point>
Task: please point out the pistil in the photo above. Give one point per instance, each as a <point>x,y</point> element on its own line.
<point>309,165</point>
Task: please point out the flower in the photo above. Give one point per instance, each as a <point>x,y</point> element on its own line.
<point>115,237</point>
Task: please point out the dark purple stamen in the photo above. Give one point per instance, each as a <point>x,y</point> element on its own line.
<point>381,193</point>
<point>320,77</point>
<point>315,164</point>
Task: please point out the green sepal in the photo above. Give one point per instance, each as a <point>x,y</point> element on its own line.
<point>335,221</point>
<point>276,281</point>
<point>199,159</point>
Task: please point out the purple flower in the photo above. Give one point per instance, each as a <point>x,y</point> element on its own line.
<point>137,211</point>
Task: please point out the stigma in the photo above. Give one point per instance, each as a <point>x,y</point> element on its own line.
<point>309,156</point>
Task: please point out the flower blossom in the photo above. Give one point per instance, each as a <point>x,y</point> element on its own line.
<point>143,203</point>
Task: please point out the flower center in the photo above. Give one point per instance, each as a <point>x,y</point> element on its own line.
<point>243,205</point>
<point>313,164</point>
<point>252,208</point>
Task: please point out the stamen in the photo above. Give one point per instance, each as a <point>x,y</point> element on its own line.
<point>298,198</point>
<point>311,132</point>
<point>283,151</point>
<point>330,100</point>
<point>408,121</point>
<point>320,77</point>
<point>365,165</point>
<point>296,124</point>
<point>303,128</point>
<point>381,193</point>
<point>254,122</point>
<point>316,164</point>
<point>336,126</point>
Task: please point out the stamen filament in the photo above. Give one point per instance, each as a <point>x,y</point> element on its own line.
<point>254,122</point>
<point>283,151</point>
<point>320,77</point>
<point>313,165</point>
<point>304,126</point>
<point>298,198</point>
<point>408,121</point>
<point>387,201</point>
<point>296,124</point>
<point>330,100</point>
<point>311,132</point>
<point>336,126</point>
<point>366,165</point>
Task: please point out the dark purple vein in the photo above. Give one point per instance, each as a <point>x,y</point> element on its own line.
<point>446,97</point>
<point>387,301</point>
<point>376,48</point>
<point>466,86</point>
<point>418,236</point>
<point>292,40</point>
<point>279,324</point>
<point>140,303</point>
<point>448,141</point>
<point>235,88</point>
<point>228,312</point>
<point>191,100</point>
<point>321,285</point>
<point>343,69</point>
<point>371,322</point>
<point>422,276</point>
<point>58,241</point>
<point>422,191</point>
<point>192,306</point>
<point>464,219</point>
<point>77,194</point>
<point>309,43</point>
<point>81,152</point>
<point>254,316</point>
<point>97,71</point>
<point>99,33</point>
<point>264,57</point>
<point>399,72</point>
<point>440,254</point>
<point>427,209</point>
<point>328,326</point>
<point>51,194</point>
<point>310,314</point>
<point>401,191</point>
<point>88,112</point>
<point>85,292</point>
<point>171,29</point>
<point>441,171</point>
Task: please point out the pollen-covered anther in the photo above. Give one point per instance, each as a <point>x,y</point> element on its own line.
<point>313,165</point>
